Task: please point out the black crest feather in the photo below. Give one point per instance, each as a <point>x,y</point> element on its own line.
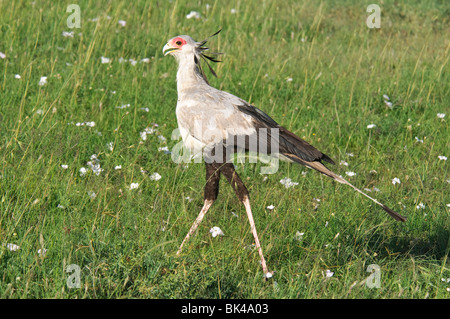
<point>200,51</point>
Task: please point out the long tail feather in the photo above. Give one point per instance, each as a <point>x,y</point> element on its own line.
<point>324,170</point>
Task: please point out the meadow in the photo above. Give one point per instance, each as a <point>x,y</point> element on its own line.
<point>93,206</point>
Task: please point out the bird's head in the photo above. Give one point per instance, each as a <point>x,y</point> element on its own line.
<point>182,44</point>
<point>185,46</point>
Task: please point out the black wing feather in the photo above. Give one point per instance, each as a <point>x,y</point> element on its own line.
<point>289,143</point>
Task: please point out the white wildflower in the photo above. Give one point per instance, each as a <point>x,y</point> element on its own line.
<point>96,169</point>
<point>287,182</point>
<point>134,185</point>
<point>43,81</point>
<point>420,206</point>
<point>442,158</point>
<point>164,149</point>
<point>150,130</point>
<point>17,76</point>
<point>441,115</point>
<point>94,165</point>
<point>42,252</point>
<point>388,104</point>
<point>299,235</point>
<point>68,34</point>
<point>122,23</point>
<point>371,126</point>
<point>396,181</point>
<point>418,140</point>
<point>385,97</point>
<point>2,55</point>
<point>83,171</point>
<point>268,275</point>
<point>350,173</point>
<point>155,177</point>
<point>90,124</point>
<point>343,163</point>
<point>91,194</point>
<point>216,231</point>
<point>12,247</point>
<point>145,60</point>
<point>123,106</point>
<point>270,207</point>
<point>117,167</point>
<point>162,138</point>
<point>329,273</point>
<point>193,14</point>
<point>105,60</point>
<point>64,166</point>
<point>110,146</point>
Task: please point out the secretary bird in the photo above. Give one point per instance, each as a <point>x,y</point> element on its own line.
<point>212,122</point>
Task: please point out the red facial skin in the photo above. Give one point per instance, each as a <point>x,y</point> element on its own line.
<point>177,42</point>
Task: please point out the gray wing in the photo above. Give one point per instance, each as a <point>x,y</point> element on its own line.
<point>212,116</point>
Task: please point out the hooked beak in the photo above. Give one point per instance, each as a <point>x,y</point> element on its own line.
<point>167,49</point>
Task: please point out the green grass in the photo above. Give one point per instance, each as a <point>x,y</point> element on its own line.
<point>124,240</point>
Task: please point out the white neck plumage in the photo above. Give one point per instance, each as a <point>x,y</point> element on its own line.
<point>189,74</point>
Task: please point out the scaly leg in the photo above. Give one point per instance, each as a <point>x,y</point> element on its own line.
<point>242,193</point>
<point>197,222</point>
<point>255,234</point>
<point>211,192</point>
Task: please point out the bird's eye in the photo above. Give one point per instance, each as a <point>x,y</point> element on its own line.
<point>178,42</point>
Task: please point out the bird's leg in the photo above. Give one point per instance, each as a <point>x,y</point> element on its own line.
<point>211,192</point>
<point>197,222</point>
<point>255,234</point>
<point>242,193</point>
